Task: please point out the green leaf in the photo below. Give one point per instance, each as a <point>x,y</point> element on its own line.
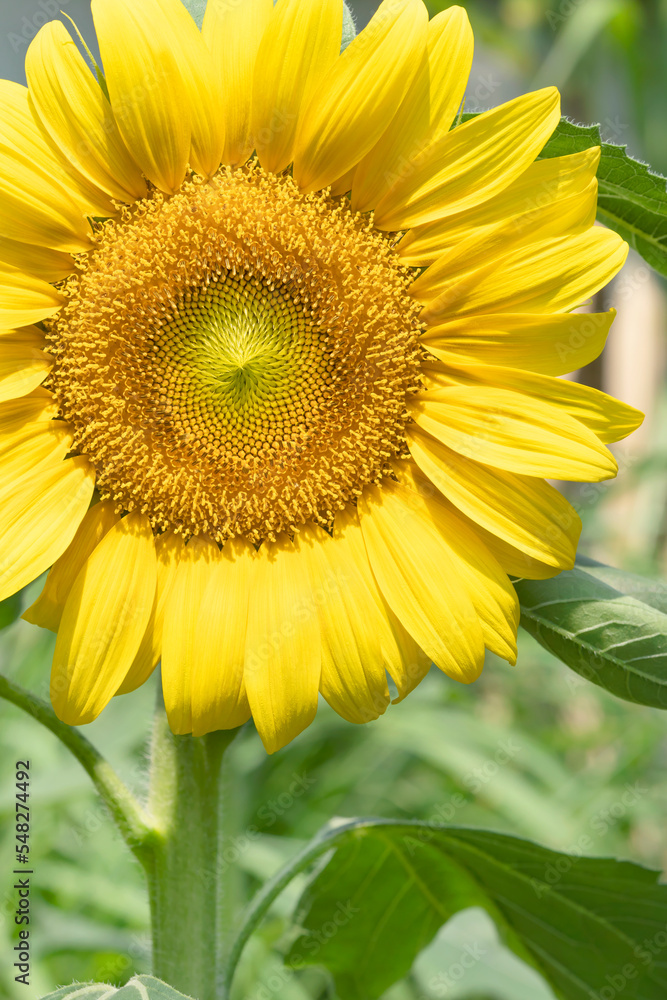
<point>610,638</point>
<point>143,987</point>
<point>632,199</point>
<point>10,609</point>
<point>586,924</point>
<point>138,988</point>
<point>644,588</point>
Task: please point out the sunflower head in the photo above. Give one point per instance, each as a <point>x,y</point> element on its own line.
<point>280,347</point>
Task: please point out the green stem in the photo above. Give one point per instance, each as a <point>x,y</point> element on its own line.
<point>191,885</point>
<point>125,809</point>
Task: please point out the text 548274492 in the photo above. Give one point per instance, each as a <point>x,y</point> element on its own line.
<point>22,884</point>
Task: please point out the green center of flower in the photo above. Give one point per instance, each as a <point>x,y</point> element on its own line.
<point>247,356</point>
<point>236,359</point>
<point>242,346</point>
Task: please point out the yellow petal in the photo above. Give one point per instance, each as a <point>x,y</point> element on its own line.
<point>518,563</point>
<point>20,131</point>
<point>44,445</point>
<point>40,262</point>
<point>16,433</point>
<point>233,33</point>
<point>29,336</point>
<point>353,678</point>
<point>24,299</point>
<point>417,574</point>
<point>282,654</point>
<point>39,519</point>
<point>491,245</point>
<point>35,407</point>
<point>179,632</point>
<point>472,163</point>
<point>344,183</point>
<point>479,573</point>
<point>36,209</point>
<point>48,608</point>
<point>23,365</point>
<point>550,344</point>
<point>104,620</point>
<point>203,86</point>
<point>510,431</point>
<point>149,98</point>
<point>543,184</point>
<point>427,111</point>
<point>526,512</point>
<point>411,665</point>
<point>407,663</point>
<point>299,47</point>
<point>77,115</point>
<point>169,551</point>
<point>608,418</point>
<point>552,276</point>
<point>360,94</point>
<point>219,699</point>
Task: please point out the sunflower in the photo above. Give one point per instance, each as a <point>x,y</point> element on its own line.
<point>278,360</point>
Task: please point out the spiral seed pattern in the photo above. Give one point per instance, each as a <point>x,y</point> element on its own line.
<point>236,359</point>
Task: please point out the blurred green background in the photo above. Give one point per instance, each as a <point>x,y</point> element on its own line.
<point>533,750</point>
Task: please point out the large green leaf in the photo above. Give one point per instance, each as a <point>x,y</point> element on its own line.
<point>616,640</point>
<point>586,924</point>
<point>138,988</point>
<point>632,199</point>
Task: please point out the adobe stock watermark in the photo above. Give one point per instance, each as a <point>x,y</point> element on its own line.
<point>117,967</point>
<point>477,777</point>
<point>587,326</point>
<point>98,816</point>
<point>616,981</point>
<point>445,981</point>
<point>46,11</point>
<point>269,813</point>
<point>562,13</point>
<point>485,87</point>
<point>479,92</point>
<point>313,942</point>
<point>599,824</point>
<point>474,781</point>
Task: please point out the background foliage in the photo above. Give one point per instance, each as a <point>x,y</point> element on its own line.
<point>534,750</point>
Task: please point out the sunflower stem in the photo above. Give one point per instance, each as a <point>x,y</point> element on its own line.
<point>126,811</point>
<point>193,894</point>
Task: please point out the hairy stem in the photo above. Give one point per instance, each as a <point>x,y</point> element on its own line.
<point>192,892</point>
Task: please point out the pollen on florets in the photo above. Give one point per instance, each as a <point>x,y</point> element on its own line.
<point>236,359</point>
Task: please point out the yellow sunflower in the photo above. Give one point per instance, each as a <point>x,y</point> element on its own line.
<point>284,419</point>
